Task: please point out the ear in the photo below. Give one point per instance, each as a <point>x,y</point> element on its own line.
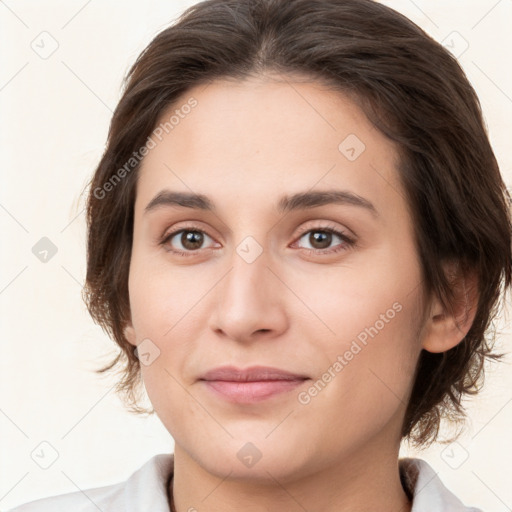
<point>444,329</point>
<point>129,334</point>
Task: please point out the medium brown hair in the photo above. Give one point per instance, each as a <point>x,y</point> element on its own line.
<point>414,92</point>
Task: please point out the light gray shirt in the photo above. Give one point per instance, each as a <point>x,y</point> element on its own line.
<point>146,490</point>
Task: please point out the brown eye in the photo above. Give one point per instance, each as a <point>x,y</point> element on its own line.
<point>191,240</point>
<point>185,240</point>
<point>321,239</point>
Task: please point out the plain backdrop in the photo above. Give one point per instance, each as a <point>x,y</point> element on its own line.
<point>61,69</point>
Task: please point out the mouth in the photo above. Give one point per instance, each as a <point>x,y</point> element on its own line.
<point>250,385</point>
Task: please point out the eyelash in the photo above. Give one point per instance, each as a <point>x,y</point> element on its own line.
<point>348,241</point>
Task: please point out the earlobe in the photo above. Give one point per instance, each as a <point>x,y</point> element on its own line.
<point>129,334</point>
<point>446,329</point>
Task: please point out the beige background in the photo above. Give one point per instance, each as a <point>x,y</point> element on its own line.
<point>55,116</point>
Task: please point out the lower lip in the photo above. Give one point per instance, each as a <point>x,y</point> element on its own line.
<point>249,392</point>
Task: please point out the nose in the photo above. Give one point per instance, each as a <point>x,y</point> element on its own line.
<point>249,302</point>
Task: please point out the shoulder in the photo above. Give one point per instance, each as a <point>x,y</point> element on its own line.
<point>145,489</point>
<point>427,490</point>
<point>108,498</point>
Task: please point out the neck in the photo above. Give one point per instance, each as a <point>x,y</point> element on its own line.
<point>361,482</point>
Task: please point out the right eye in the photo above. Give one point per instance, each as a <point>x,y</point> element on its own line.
<point>189,241</point>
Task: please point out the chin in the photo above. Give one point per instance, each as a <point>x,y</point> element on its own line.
<point>253,458</point>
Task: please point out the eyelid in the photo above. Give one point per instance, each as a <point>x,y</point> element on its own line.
<point>176,228</point>
<point>325,224</point>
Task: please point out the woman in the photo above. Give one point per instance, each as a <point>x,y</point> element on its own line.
<point>300,230</point>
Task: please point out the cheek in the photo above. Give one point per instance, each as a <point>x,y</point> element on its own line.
<point>387,349</point>
<point>167,307</point>
<point>160,296</point>
<point>368,296</point>
<point>369,377</point>
<point>373,313</point>
<point>172,404</point>
<point>375,346</point>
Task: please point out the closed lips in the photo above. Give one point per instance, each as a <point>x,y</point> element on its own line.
<point>252,374</point>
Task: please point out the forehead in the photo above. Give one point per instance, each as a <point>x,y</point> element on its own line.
<point>262,137</point>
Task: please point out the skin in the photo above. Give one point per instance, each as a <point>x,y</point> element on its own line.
<point>245,145</point>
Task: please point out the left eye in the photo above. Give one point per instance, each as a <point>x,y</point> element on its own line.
<point>321,239</point>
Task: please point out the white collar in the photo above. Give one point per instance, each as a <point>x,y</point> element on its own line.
<point>428,491</point>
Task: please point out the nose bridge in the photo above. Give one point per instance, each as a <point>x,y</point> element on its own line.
<point>247,301</point>
<point>248,278</point>
<point>250,256</point>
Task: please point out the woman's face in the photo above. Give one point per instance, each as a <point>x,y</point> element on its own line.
<point>258,280</point>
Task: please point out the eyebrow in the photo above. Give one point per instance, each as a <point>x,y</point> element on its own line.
<point>298,201</point>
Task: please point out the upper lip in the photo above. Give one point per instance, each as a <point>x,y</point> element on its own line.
<point>252,374</point>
